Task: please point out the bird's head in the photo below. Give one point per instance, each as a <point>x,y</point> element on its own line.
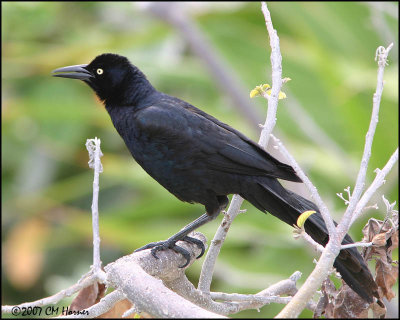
<point>111,76</point>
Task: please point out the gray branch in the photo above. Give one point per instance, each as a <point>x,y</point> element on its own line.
<point>136,276</point>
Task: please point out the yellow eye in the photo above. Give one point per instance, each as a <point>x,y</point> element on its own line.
<point>99,71</point>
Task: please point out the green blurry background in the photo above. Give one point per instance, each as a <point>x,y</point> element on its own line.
<point>328,51</point>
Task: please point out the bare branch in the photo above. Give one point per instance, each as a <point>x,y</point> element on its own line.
<point>232,305</point>
<point>240,302</point>
<point>135,274</point>
<point>381,57</point>
<point>300,232</point>
<point>266,296</point>
<point>356,244</point>
<point>378,181</point>
<point>207,269</point>
<point>276,63</point>
<point>93,147</point>
<point>257,301</point>
<point>340,195</point>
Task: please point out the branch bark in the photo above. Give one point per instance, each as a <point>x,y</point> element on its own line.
<point>135,276</point>
<point>381,56</point>
<point>93,147</point>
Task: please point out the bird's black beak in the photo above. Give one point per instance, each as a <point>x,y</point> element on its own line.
<point>73,72</point>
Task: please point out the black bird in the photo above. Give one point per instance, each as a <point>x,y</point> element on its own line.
<point>202,160</point>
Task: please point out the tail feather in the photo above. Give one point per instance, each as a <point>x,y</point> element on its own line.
<point>268,195</point>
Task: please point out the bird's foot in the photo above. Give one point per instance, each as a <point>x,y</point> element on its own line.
<point>171,244</point>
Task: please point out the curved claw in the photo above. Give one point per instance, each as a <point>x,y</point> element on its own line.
<point>159,246</point>
<point>183,252</point>
<point>171,244</point>
<point>197,242</point>
<point>163,245</point>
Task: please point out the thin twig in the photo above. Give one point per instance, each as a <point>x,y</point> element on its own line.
<point>301,232</point>
<point>270,295</point>
<point>356,244</point>
<point>207,269</point>
<point>93,147</point>
<point>254,301</point>
<point>340,195</point>
<point>378,181</point>
<point>276,64</point>
<point>345,223</point>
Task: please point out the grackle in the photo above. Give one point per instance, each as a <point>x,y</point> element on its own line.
<point>200,159</point>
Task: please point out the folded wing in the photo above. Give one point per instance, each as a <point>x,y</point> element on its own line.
<point>222,147</point>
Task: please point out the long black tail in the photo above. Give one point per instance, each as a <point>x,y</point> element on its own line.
<point>268,195</point>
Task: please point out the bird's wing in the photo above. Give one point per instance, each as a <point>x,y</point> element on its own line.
<point>218,145</point>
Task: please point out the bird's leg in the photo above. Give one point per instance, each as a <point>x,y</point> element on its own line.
<point>181,235</point>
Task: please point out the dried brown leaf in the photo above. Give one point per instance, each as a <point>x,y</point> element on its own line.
<point>87,297</point>
<point>385,236</point>
<point>326,302</point>
<point>349,304</point>
<point>379,240</point>
<point>386,277</point>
